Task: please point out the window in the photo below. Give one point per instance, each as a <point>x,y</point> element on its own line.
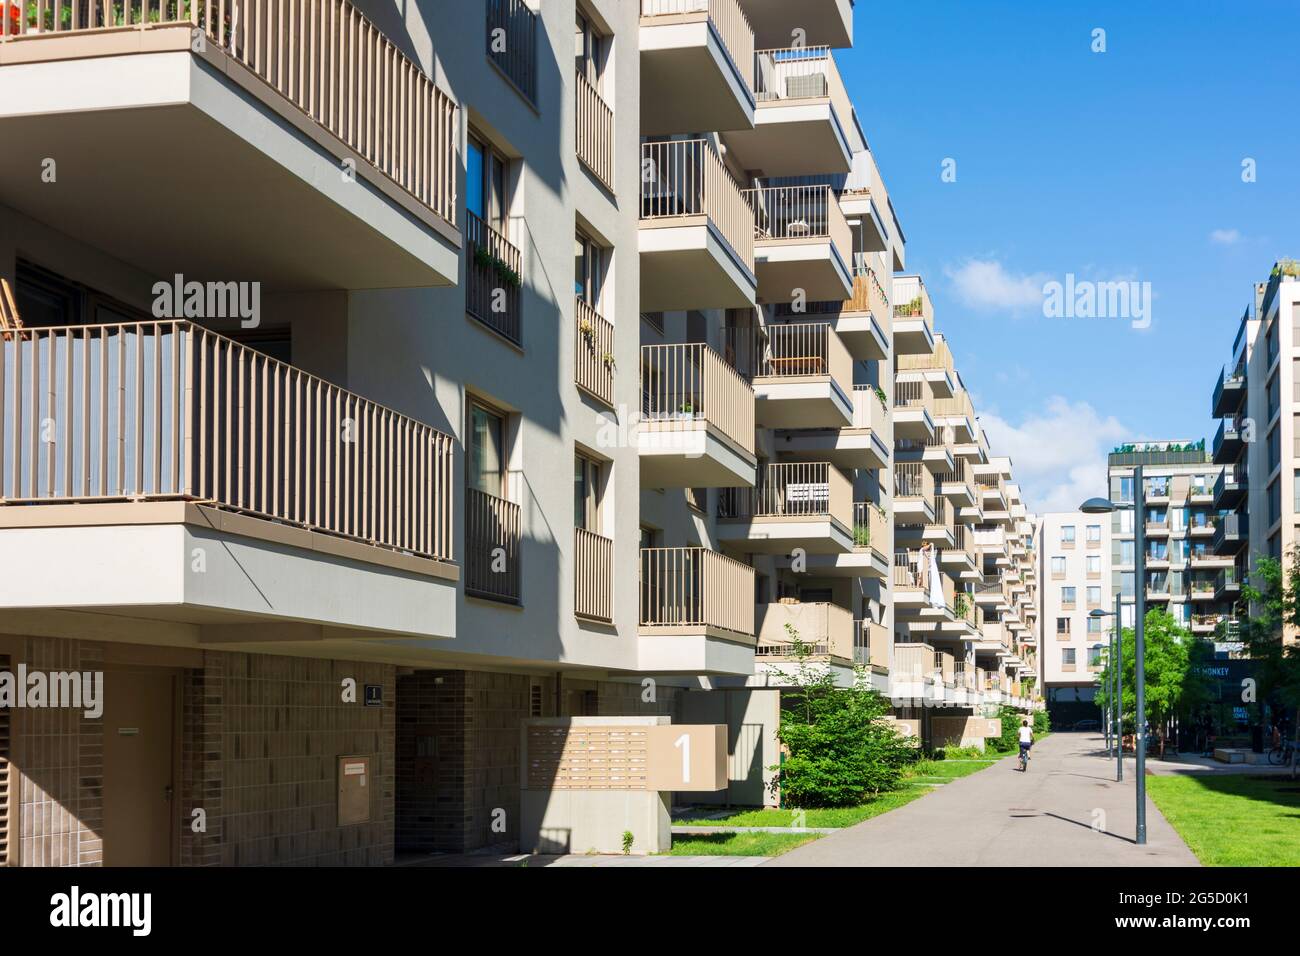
<point>1094,565</point>
<point>587,269</point>
<point>1067,597</point>
<point>1094,656</point>
<point>485,468</point>
<point>1127,552</point>
<point>1067,657</point>
<point>1067,535</point>
<point>648,537</point>
<point>1094,597</point>
<point>588,49</point>
<point>1058,567</point>
<point>1094,534</point>
<point>1122,523</point>
<point>586,493</point>
<point>1122,489</point>
<point>1094,625</point>
<point>698,499</point>
<point>1062,627</point>
<point>485,183</point>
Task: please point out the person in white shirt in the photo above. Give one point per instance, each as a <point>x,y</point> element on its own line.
<point>1026,738</point>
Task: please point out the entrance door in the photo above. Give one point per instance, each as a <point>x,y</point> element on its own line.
<point>139,755</point>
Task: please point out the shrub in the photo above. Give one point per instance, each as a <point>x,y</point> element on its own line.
<point>839,750</point>
<point>1010,739</point>
<point>1042,723</point>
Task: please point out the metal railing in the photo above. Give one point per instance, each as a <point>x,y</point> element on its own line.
<point>593,575</point>
<point>800,212</point>
<point>512,43</point>
<point>801,73</point>
<point>871,643</point>
<point>940,358</point>
<point>791,349</point>
<point>917,394</point>
<point>684,178</point>
<point>792,489</point>
<point>913,480</point>
<point>493,278</point>
<point>827,629</point>
<point>869,525</point>
<point>323,56</point>
<point>690,382</point>
<point>728,19</point>
<point>911,301</point>
<point>170,410</point>
<point>868,296</point>
<point>595,131</point>
<point>869,409</point>
<point>593,351</point>
<point>492,540</point>
<point>696,587</point>
<point>913,662</point>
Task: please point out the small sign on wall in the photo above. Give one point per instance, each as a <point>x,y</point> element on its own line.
<point>354,790</point>
<point>374,695</point>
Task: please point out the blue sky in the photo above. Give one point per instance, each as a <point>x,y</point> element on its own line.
<point>1125,165</point>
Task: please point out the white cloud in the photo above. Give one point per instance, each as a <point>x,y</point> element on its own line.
<point>986,284</point>
<point>1225,237</point>
<point>1058,454</point>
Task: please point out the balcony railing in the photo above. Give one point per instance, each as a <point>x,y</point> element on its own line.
<point>868,296</point>
<point>913,480</point>
<point>869,408</point>
<point>789,350</point>
<point>913,394</point>
<point>799,212</point>
<point>913,662</point>
<point>323,56</point>
<point>870,522</point>
<point>696,587</point>
<point>792,489</point>
<point>685,178</point>
<point>691,383</point>
<point>801,73</point>
<point>593,575</point>
<point>729,21</point>
<point>493,279</point>
<point>826,630</point>
<point>593,351</point>
<point>911,301</point>
<point>940,358</point>
<point>492,537</point>
<point>871,643</point>
<point>595,131</point>
<point>512,43</point>
<point>170,410</point>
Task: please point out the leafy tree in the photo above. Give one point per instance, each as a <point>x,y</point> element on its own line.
<point>839,749</point>
<point>1273,596</point>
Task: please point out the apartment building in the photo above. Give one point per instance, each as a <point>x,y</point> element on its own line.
<point>1189,549</point>
<point>1075,564</point>
<point>309,450</point>
<point>1258,493</point>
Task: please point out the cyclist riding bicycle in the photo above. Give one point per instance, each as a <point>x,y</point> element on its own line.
<point>1026,740</point>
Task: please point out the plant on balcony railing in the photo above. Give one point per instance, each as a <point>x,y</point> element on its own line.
<point>484,259</point>
<point>839,751</point>
<point>961,605</point>
<point>912,309</point>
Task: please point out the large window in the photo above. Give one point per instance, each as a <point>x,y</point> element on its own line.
<point>1067,657</point>
<point>1094,597</point>
<point>1094,534</point>
<point>1067,597</point>
<point>1067,535</point>
<point>588,51</point>
<point>1094,625</point>
<point>587,269</point>
<point>485,183</point>
<point>1062,627</point>
<point>1094,565</point>
<point>1058,567</point>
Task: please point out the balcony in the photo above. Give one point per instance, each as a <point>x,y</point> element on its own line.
<point>492,540</point>
<point>872,642</point>
<point>936,367</point>
<point>913,673</point>
<point>1227,585</point>
<point>913,493</point>
<point>912,418</point>
<point>697,613</point>
<point>697,420</point>
<point>868,557</point>
<point>492,279</point>
<point>308,504</point>
<point>961,555</point>
<point>802,244</point>
<point>958,485</point>
<point>1232,534</point>
<point>1229,488</point>
<point>863,444</point>
<point>803,377</point>
<point>697,61</point>
<point>861,321</point>
<point>309,194</point>
<point>512,44</point>
<point>826,629</point>
<point>1227,443</point>
<point>958,414</point>
<point>913,316</point>
<point>594,132</point>
<point>1229,392</point>
<point>823,21</point>
<point>1206,623</point>
<point>801,116</point>
<point>593,576</point>
<point>593,352</point>
<point>794,505</point>
<point>867,205</point>
<point>934,453</point>
<point>697,231</point>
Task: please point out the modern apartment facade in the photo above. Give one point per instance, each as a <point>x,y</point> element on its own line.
<point>309,450</point>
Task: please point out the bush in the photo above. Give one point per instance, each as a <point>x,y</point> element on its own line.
<point>1042,723</point>
<point>1010,739</point>
<point>839,750</point>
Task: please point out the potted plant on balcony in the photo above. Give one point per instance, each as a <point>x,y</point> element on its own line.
<point>686,410</point>
<point>883,398</point>
<point>608,360</point>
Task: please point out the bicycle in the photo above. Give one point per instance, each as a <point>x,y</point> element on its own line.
<point>1281,754</point>
<point>1024,759</point>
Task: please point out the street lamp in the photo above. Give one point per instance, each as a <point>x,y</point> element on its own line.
<point>1097,506</point>
<point>1115,719</point>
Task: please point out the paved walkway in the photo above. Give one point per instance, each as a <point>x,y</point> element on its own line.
<point>1000,817</point>
<point>477,860</point>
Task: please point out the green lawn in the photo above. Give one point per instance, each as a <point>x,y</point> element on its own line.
<point>739,844</point>
<point>934,771</point>
<point>1233,820</point>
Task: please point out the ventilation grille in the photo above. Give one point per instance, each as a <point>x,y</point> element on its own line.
<point>535,701</point>
<point>5,775</point>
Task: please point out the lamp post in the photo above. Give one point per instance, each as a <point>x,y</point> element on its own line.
<point>1115,719</point>
<point>1095,506</point>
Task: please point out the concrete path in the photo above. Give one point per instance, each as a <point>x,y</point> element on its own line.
<point>537,861</point>
<point>1001,817</point>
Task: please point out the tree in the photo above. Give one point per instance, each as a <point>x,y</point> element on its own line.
<point>1273,595</point>
<point>1173,684</point>
<point>840,750</point>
